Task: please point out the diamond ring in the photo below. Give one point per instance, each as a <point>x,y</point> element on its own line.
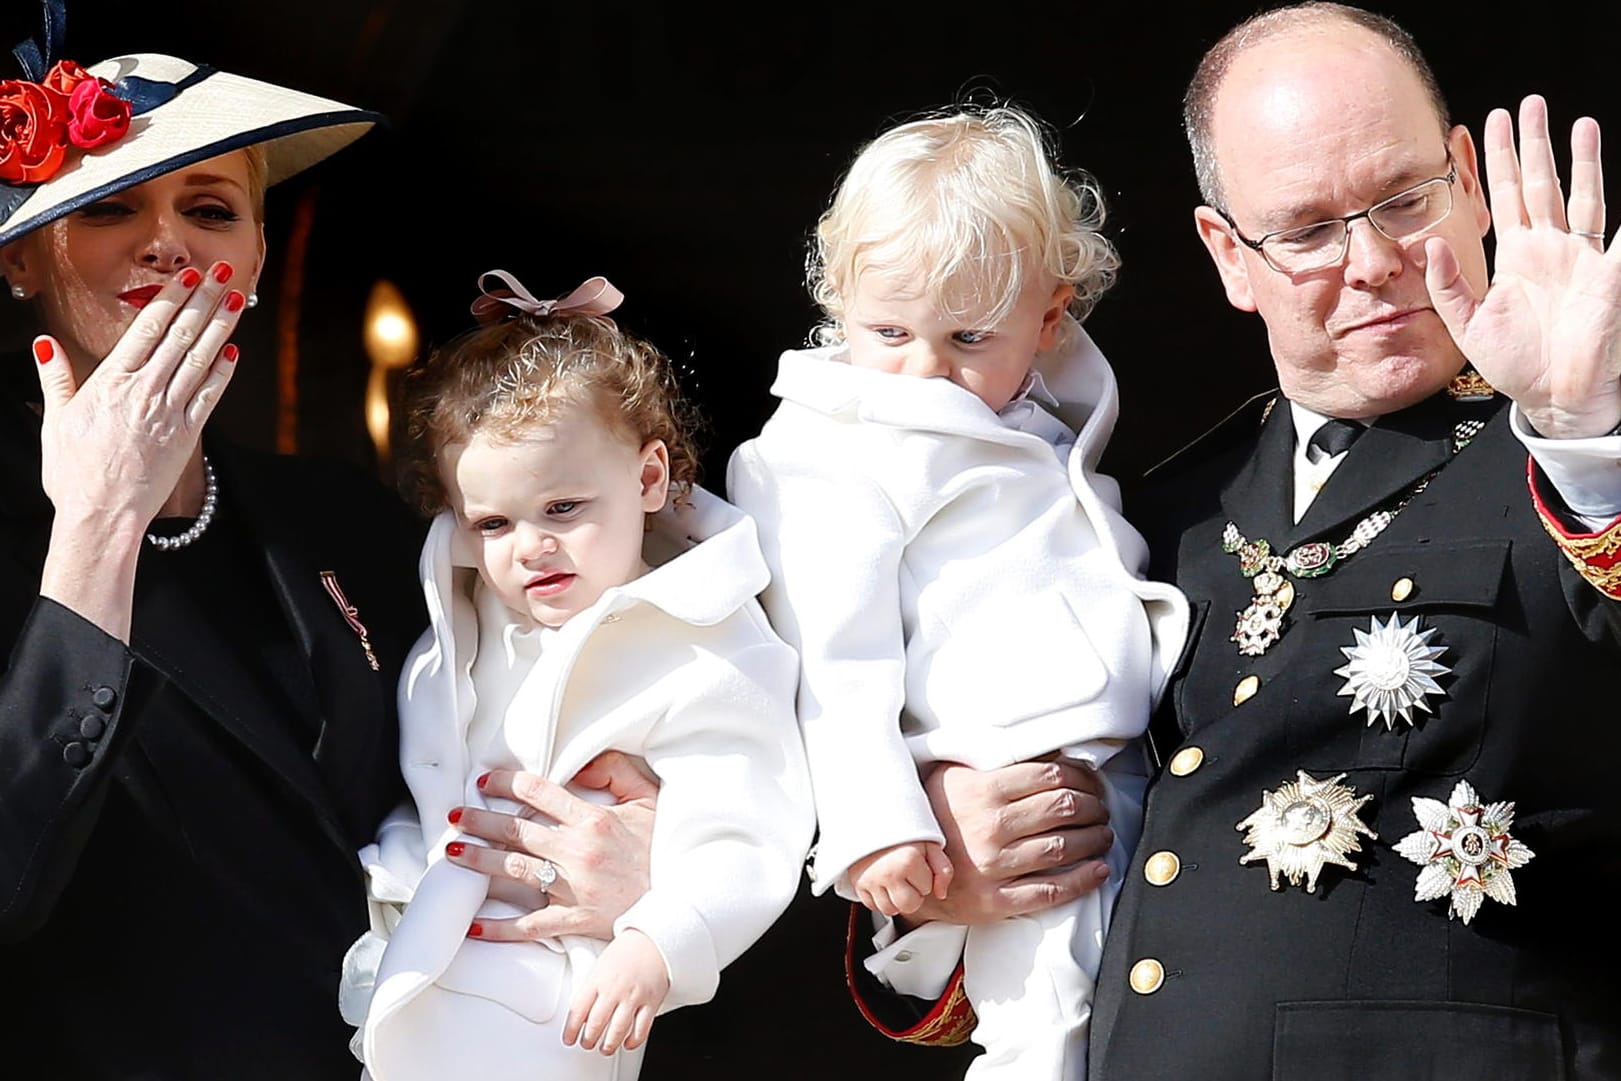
<point>545,875</point>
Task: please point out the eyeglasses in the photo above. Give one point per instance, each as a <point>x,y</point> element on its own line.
<point>1323,244</point>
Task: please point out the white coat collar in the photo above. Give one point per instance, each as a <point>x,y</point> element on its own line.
<point>1077,376</point>
<point>706,562</point>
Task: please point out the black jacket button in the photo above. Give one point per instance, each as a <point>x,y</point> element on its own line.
<point>92,727</point>
<point>76,755</point>
<point>104,698</point>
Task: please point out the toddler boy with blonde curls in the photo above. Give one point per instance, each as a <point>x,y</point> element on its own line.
<point>954,571</point>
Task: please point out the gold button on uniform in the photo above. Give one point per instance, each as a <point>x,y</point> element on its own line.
<point>1162,868</point>
<point>1401,590</point>
<point>1246,689</point>
<point>1186,760</point>
<point>1146,976</point>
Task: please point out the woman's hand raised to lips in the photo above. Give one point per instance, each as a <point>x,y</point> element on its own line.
<point>118,436</point>
<point>115,444</point>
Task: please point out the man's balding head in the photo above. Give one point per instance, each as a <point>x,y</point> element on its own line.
<point>1311,119</point>
<point>1198,105</point>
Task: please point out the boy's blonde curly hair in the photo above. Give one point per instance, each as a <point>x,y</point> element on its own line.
<point>501,379</point>
<point>972,201</point>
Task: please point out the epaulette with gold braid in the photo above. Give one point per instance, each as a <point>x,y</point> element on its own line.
<point>1596,556</point>
<point>949,1021</point>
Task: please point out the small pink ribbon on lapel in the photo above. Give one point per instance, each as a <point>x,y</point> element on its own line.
<point>595,297</point>
<point>351,615</point>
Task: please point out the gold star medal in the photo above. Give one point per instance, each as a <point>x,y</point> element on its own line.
<point>1303,825</point>
<point>1464,850</point>
<point>1391,668</point>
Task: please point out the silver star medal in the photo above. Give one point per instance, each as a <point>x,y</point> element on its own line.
<point>1303,825</point>
<point>1391,668</point>
<point>1464,849</point>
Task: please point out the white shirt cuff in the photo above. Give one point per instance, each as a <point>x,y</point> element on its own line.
<point>1585,472</point>
<point>919,963</point>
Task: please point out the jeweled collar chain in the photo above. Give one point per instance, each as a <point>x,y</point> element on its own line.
<point>211,492</point>
<point>1261,623</point>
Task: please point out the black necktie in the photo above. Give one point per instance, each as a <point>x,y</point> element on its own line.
<point>1335,437</point>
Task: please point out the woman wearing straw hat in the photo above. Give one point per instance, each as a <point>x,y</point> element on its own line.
<point>197,728</point>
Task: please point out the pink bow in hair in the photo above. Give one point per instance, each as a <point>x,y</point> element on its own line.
<point>595,297</point>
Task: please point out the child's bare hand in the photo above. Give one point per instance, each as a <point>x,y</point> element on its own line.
<point>896,881</point>
<point>616,1006</point>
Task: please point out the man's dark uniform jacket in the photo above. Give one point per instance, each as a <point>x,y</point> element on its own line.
<point>1211,974</point>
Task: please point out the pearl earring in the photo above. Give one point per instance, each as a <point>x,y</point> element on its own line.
<point>19,293</point>
<point>253,300</point>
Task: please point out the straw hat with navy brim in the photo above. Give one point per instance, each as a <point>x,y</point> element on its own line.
<point>181,114</point>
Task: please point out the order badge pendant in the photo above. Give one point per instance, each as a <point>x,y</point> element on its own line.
<point>1390,670</point>
<point>1261,624</point>
<point>1303,825</point>
<point>1464,851</point>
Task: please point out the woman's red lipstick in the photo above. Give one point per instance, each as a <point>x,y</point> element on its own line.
<point>141,297</point>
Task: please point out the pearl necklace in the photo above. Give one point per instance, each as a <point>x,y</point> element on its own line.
<point>211,492</point>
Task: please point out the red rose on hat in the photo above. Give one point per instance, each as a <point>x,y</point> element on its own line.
<point>65,77</point>
<point>33,132</point>
<point>95,117</point>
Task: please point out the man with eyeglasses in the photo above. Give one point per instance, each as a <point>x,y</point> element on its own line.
<point>1393,650</point>
<point>1385,838</point>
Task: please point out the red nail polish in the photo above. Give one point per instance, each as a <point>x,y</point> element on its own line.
<point>190,277</point>
<point>234,301</point>
<point>475,931</point>
<point>43,353</point>
<point>230,352</point>
<point>223,272</point>
<point>455,815</point>
<point>483,779</point>
<point>455,848</point>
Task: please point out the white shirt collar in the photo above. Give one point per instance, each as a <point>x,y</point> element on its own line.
<point>1309,476</point>
<point>1033,387</point>
<point>1306,423</point>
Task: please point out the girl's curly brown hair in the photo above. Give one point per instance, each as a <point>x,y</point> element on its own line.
<point>505,377</point>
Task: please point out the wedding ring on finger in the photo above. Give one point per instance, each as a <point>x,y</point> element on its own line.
<point>1588,236</point>
<point>545,874</point>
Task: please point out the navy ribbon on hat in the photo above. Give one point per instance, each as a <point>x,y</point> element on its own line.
<point>144,95</point>
<point>36,54</point>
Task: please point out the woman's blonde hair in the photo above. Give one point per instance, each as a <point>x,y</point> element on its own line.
<point>508,376</point>
<point>258,179</point>
<point>972,199</point>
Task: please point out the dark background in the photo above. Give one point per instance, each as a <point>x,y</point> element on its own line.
<point>685,151</point>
